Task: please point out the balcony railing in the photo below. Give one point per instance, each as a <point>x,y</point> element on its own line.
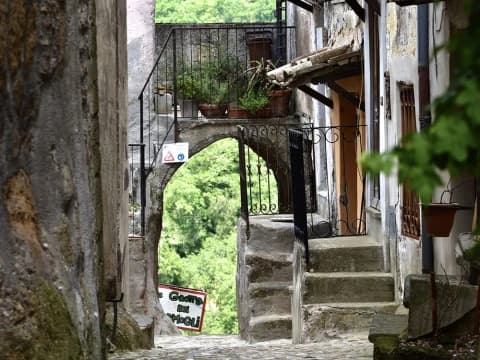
<point>201,69</point>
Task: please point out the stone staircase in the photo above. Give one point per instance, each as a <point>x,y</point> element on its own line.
<point>345,286</point>
<point>264,277</point>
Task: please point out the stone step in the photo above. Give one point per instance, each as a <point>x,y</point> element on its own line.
<point>345,254</point>
<point>267,266</point>
<point>348,287</point>
<point>270,298</point>
<point>275,232</point>
<point>329,319</point>
<point>269,327</point>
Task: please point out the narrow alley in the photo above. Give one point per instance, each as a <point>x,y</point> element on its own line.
<point>230,347</point>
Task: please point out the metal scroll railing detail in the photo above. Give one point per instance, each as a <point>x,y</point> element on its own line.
<point>340,184</point>
<point>265,170</point>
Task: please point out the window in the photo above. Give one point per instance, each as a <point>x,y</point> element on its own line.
<point>410,205</point>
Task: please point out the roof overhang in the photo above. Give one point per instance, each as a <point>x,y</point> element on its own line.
<point>321,66</point>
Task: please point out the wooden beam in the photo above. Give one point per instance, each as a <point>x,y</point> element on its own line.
<point>357,8</point>
<point>375,5</point>
<point>316,95</point>
<point>337,73</point>
<point>355,100</point>
<point>302,4</point>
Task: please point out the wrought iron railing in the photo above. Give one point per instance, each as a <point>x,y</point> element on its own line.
<point>265,171</point>
<point>340,183</point>
<point>333,184</point>
<point>334,151</point>
<point>207,64</point>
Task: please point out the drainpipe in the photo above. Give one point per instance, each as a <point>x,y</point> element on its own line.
<point>425,115</point>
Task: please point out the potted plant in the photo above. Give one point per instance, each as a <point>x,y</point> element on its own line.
<point>188,90</point>
<point>255,102</point>
<point>280,101</point>
<point>213,98</point>
<point>262,98</point>
<point>212,83</point>
<point>438,218</point>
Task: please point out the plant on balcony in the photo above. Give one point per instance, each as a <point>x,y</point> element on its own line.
<point>262,98</point>
<point>255,99</point>
<point>188,91</point>
<point>210,83</point>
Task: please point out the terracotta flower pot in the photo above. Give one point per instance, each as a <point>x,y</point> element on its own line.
<point>261,113</point>
<point>236,113</point>
<point>438,218</point>
<point>280,102</point>
<point>213,110</point>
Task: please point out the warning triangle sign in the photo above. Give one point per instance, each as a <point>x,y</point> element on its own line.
<point>168,157</point>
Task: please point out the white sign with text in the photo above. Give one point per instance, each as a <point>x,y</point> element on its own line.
<point>185,307</point>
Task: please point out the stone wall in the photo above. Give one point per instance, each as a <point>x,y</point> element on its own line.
<point>62,121</point>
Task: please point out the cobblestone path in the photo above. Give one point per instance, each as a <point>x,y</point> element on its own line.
<point>230,347</point>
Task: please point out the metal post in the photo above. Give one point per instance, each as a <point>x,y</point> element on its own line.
<point>143,178</point>
<point>298,189</point>
<point>243,178</point>
<point>175,100</point>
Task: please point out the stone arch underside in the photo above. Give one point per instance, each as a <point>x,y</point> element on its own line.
<point>200,134</point>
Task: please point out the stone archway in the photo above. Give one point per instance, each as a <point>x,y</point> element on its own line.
<point>199,134</point>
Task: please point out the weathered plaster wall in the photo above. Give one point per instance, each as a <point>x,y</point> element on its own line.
<point>142,276</point>
<point>52,106</point>
<point>402,65</point>
<point>343,26</point>
<point>141,51</point>
<point>112,113</point>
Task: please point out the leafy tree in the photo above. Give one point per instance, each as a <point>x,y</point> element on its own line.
<point>214,11</point>
<point>203,199</point>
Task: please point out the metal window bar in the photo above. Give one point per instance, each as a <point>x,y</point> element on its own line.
<point>410,203</point>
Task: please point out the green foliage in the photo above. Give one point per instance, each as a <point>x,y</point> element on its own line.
<point>203,199</point>
<point>198,244</point>
<point>214,11</point>
<point>451,142</point>
<point>208,81</point>
<point>258,86</point>
<point>254,100</point>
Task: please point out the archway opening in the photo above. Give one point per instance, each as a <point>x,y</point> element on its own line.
<point>198,244</point>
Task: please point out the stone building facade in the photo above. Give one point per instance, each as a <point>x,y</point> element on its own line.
<point>399,65</point>
<point>63,178</point>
